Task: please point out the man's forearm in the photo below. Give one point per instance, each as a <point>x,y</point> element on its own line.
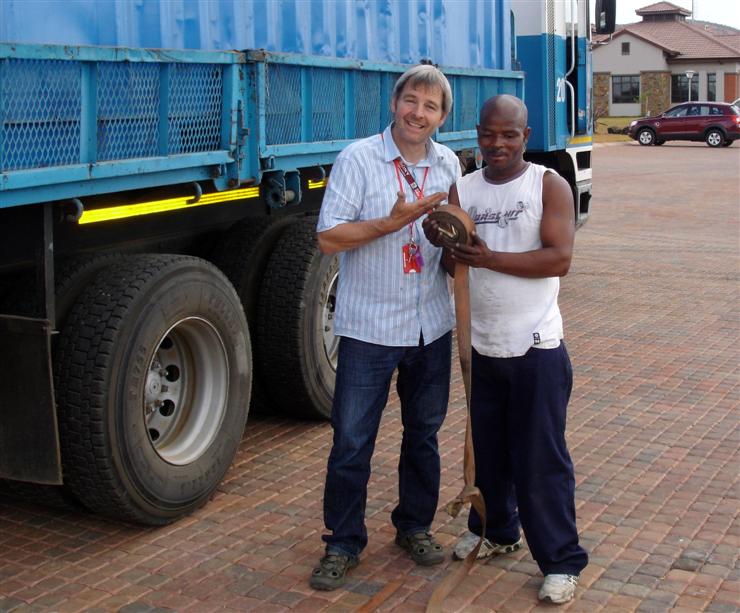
<point>537,264</point>
<point>353,234</point>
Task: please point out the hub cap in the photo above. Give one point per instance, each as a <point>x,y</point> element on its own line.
<point>186,390</point>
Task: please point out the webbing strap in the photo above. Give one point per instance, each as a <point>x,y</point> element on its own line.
<point>456,225</point>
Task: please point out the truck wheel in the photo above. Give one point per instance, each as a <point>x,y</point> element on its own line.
<point>70,278</point>
<point>242,257</point>
<point>153,374</point>
<point>296,324</point>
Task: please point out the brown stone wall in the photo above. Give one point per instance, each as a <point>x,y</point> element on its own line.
<point>655,92</point>
<point>601,94</point>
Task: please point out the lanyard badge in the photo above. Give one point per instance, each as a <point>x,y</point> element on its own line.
<point>413,261</point>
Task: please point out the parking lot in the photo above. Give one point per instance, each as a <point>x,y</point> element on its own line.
<point>651,313</point>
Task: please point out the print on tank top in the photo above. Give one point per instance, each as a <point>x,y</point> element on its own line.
<point>500,218</point>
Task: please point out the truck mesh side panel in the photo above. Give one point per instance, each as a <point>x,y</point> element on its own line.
<point>290,89</point>
<point>39,113</point>
<point>283,103</point>
<point>327,104</point>
<point>465,109</point>
<point>469,93</point>
<point>367,102</point>
<point>287,89</point>
<point>128,102</point>
<point>195,93</point>
<point>42,110</point>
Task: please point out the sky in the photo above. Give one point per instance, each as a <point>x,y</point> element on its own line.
<point>726,12</point>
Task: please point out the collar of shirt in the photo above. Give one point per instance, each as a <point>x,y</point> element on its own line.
<point>391,151</point>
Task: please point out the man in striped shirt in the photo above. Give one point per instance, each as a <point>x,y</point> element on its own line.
<point>393,312</point>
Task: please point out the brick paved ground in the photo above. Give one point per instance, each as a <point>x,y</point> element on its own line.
<point>652,322</point>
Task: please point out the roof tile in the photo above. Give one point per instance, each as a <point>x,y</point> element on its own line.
<point>684,40</point>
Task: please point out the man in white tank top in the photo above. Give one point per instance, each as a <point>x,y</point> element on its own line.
<point>521,373</point>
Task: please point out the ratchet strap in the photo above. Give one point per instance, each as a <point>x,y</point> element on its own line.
<point>456,227</point>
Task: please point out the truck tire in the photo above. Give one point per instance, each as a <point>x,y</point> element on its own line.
<point>71,276</point>
<point>242,256</point>
<point>153,374</point>
<point>295,332</point>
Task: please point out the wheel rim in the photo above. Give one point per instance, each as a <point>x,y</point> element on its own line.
<point>331,342</point>
<point>714,139</point>
<point>186,391</point>
<point>646,137</point>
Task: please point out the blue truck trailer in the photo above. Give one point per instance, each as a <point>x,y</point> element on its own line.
<point>162,165</point>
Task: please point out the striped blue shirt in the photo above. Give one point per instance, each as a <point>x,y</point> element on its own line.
<point>376,301</point>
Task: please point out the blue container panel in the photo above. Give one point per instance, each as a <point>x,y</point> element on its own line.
<point>466,33</point>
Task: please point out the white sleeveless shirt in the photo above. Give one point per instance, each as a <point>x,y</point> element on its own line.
<point>510,314</point>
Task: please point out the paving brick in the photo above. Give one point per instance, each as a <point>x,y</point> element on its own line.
<point>651,427</point>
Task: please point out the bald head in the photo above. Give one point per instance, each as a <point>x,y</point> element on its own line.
<point>505,107</point>
<point>503,136</point>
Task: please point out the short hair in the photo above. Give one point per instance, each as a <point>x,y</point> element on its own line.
<point>428,76</point>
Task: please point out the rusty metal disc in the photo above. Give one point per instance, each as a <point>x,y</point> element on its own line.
<point>454,224</point>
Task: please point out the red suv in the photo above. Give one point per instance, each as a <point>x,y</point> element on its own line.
<point>716,123</point>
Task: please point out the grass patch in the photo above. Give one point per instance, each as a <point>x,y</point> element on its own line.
<point>602,125</point>
<point>611,138</point>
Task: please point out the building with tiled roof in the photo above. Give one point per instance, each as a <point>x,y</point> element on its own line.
<point>645,67</point>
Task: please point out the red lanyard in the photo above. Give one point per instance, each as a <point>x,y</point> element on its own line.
<point>402,169</point>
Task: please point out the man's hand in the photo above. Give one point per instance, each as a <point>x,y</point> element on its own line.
<point>403,213</point>
<point>477,254</point>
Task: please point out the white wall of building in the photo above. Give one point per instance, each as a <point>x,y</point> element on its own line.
<point>644,57</point>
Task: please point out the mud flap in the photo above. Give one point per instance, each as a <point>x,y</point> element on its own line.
<point>29,440</point>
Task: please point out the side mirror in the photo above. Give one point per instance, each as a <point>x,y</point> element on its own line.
<point>606,16</point>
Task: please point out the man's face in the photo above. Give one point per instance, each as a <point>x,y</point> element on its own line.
<point>502,136</point>
<point>418,112</point>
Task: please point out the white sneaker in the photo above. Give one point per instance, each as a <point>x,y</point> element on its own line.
<point>558,588</point>
<point>468,541</point>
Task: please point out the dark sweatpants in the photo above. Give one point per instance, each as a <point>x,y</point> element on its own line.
<point>518,408</point>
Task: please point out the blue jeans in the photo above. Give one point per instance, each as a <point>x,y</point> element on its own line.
<point>364,374</point>
<point>523,468</point>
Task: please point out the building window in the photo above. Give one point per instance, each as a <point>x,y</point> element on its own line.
<point>625,48</point>
<point>625,88</point>
<point>680,88</point>
<point>711,86</point>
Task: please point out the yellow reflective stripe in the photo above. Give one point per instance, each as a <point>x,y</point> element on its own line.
<point>580,140</point>
<point>160,206</point>
<point>316,184</point>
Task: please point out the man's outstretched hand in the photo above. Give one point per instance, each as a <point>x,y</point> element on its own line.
<point>403,213</point>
